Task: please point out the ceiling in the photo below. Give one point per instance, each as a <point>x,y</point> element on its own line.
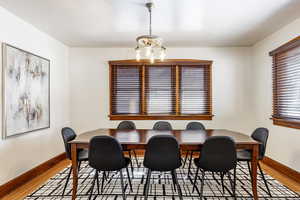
<point>116,23</point>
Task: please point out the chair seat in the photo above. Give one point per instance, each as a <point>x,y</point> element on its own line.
<point>206,168</point>
<point>196,162</point>
<point>83,155</point>
<point>127,161</point>
<point>245,155</point>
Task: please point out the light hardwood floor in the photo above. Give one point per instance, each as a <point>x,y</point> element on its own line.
<point>288,182</point>
<point>32,185</point>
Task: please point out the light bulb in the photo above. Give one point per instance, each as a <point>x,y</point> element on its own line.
<point>162,55</point>
<point>148,51</point>
<point>138,57</point>
<point>152,58</point>
<point>138,54</point>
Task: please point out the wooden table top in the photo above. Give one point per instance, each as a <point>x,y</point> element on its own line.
<point>184,137</point>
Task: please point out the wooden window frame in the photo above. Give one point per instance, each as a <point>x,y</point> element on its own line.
<point>172,62</point>
<point>285,122</point>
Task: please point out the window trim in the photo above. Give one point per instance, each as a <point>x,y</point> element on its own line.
<point>177,116</point>
<point>285,122</point>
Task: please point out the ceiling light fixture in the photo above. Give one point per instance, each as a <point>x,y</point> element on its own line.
<point>150,46</point>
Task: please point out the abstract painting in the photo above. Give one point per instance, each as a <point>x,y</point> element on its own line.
<point>26,95</point>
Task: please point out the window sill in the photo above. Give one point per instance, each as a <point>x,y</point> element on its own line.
<point>286,123</point>
<point>161,117</point>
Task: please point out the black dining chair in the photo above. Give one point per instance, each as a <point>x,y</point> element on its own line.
<point>261,135</point>
<point>162,154</point>
<point>192,126</point>
<point>129,125</point>
<point>106,155</point>
<point>195,126</point>
<point>218,154</point>
<point>162,126</point>
<point>68,134</point>
<point>126,125</point>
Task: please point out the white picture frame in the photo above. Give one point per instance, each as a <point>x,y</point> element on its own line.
<point>25,91</point>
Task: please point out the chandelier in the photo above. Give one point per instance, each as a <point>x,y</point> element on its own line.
<point>150,46</point>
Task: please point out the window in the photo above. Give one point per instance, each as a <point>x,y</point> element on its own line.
<point>159,90</point>
<point>126,98</point>
<point>173,89</point>
<point>194,90</point>
<point>286,84</point>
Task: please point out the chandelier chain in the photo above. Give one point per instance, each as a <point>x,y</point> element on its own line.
<point>150,24</point>
<point>150,45</point>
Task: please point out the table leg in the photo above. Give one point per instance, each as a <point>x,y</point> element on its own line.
<point>254,163</point>
<point>74,169</point>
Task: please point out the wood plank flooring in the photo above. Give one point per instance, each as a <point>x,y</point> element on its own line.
<point>288,182</point>
<point>35,183</point>
<point>32,185</point>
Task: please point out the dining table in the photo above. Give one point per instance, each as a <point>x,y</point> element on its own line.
<point>187,139</point>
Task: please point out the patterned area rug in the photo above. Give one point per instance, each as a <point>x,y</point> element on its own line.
<point>161,186</point>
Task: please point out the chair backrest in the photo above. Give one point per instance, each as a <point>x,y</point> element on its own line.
<point>218,154</point>
<point>195,126</point>
<point>68,135</point>
<point>126,125</point>
<point>162,126</point>
<point>162,153</point>
<point>105,154</point>
<point>261,135</point>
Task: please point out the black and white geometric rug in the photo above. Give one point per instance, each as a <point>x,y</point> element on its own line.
<point>161,186</point>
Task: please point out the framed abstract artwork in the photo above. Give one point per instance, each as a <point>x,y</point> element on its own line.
<point>26,91</point>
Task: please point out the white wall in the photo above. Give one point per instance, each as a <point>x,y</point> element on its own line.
<point>22,153</point>
<point>89,75</point>
<point>283,143</point>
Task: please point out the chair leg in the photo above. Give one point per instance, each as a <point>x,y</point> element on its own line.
<point>249,169</point>
<point>174,181</point>
<point>135,157</point>
<point>129,180</point>
<point>129,153</point>
<point>264,179</point>
<point>122,185</point>
<point>97,175</point>
<point>190,163</point>
<point>234,182</point>
<point>92,187</point>
<point>202,184</point>
<point>102,182</point>
<point>105,175</point>
<point>222,181</point>
<point>79,164</point>
<point>147,186</point>
<point>230,180</point>
<point>191,155</point>
<point>213,175</point>
<point>177,184</point>
<point>67,181</point>
<point>194,184</point>
<point>144,190</point>
<point>186,158</point>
